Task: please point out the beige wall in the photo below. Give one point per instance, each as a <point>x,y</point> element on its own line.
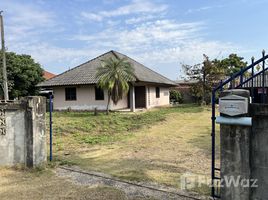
<point>121,104</point>
<point>85,99</point>
<point>152,101</point>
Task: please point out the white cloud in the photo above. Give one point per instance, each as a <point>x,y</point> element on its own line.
<point>204,8</point>
<point>92,16</point>
<point>143,18</point>
<point>156,34</point>
<point>26,21</point>
<point>168,61</point>
<point>144,33</point>
<point>164,43</point>
<point>53,56</point>
<point>135,7</point>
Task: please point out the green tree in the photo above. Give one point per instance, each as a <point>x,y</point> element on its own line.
<point>114,75</point>
<point>210,72</point>
<point>175,96</point>
<point>207,73</point>
<point>232,64</point>
<point>23,74</point>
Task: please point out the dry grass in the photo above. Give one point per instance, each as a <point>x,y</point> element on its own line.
<point>35,185</point>
<point>160,153</point>
<point>156,146</point>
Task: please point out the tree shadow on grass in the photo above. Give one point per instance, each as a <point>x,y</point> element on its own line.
<point>132,169</point>
<point>32,185</point>
<point>203,142</point>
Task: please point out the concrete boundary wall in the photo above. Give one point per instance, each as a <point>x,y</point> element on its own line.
<point>244,156</point>
<point>22,132</point>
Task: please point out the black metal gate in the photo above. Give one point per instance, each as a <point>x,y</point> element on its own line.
<point>255,81</point>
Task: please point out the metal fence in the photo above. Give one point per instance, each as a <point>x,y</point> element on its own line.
<point>248,78</point>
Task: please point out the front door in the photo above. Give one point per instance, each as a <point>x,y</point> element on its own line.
<point>140,99</point>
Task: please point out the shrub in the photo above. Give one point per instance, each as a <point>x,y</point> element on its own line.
<point>175,96</point>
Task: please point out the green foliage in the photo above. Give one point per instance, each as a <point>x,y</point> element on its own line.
<point>175,96</point>
<point>209,73</point>
<point>197,92</point>
<point>232,64</point>
<point>23,74</point>
<point>84,127</point>
<point>114,75</point>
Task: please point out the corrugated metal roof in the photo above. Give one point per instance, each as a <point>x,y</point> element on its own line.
<point>257,82</point>
<point>85,73</point>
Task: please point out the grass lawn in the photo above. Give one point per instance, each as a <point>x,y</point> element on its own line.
<point>37,185</point>
<point>156,146</point>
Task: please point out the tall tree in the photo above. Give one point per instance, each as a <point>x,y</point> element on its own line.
<point>210,72</point>
<point>232,64</point>
<point>23,74</point>
<point>207,74</point>
<point>114,75</point>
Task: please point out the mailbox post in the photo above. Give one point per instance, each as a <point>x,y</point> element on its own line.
<point>235,130</point>
<point>233,108</point>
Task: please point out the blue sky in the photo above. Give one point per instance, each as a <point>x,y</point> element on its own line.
<point>162,34</point>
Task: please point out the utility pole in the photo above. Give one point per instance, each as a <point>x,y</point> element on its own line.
<point>5,87</point>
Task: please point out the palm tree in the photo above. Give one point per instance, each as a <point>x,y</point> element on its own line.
<point>114,75</point>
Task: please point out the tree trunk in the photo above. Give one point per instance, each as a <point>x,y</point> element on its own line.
<point>109,99</point>
<point>203,101</point>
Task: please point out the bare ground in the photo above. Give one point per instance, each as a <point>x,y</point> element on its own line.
<point>131,189</point>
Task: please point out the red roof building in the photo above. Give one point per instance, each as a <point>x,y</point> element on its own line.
<point>47,75</point>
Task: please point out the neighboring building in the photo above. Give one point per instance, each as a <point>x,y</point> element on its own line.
<point>184,87</point>
<point>255,86</point>
<point>47,75</point>
<point>46,91</point>
<point>76,88</point>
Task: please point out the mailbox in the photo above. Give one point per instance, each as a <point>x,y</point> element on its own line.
<point>233,108</point>
<point>233,105</point>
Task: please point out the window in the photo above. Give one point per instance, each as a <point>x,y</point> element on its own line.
<point>166,93</point>
<point>157,92</point>
<point>70,94</point>
<point>99,94</point>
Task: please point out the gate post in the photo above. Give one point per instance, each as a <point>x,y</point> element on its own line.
<point>35,115</point>
<point>259,151</point>
<point>235,161</point>
<point>235,131</point>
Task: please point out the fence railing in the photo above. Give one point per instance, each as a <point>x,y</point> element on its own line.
<point>246,78</point>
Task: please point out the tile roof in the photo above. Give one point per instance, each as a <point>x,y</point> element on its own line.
<point>85,73</point>
<point>47,75</point>
<point>186,81</point>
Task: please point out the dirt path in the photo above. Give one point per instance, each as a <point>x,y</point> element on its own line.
<point>131,189</point>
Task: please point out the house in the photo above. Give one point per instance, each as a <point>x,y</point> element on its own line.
<point>184,87</point>
<point>76,88</point>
